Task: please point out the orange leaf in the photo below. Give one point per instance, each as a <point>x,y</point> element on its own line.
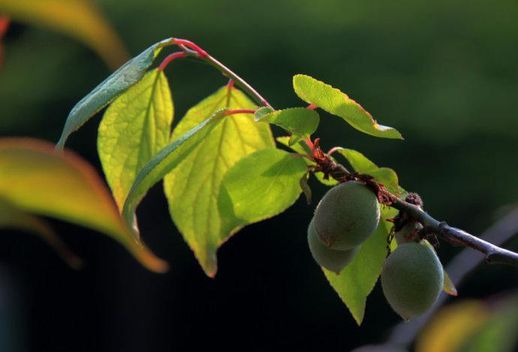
<point>37,179</point>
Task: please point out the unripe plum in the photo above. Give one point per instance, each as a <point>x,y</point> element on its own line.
<point>347,214</point>
<point>331,259</point>
<point>412,278</point>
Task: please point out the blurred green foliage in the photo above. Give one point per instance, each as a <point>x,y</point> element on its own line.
<point>444,73</point>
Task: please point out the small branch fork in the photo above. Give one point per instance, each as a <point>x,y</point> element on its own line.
<point>330,168</point>
<point>190,49</point>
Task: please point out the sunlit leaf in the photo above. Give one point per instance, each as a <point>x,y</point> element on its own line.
<point>338,103</point>
<point>167,160</point>
<point>261,185</point>
<point>362,165</point>
<point>134,128</point>
<point>80,19</point>
<point>299,122</point>
<point>13,218</point>
<point>357,279</point>
<point>126,76</point>
<point>37,179</point>
<point>192,188</point>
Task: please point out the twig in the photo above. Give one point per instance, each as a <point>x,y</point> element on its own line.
<point>493,254</point>
<point>454,236</point>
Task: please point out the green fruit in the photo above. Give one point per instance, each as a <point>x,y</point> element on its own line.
<point>331,259</point>
<point>412,278</point>
<point>347,215</point>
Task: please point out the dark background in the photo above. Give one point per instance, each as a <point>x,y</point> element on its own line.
<point>445,73</point>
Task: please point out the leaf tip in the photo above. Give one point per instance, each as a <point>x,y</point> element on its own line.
<point>60,145</point>
<point>156,265</point>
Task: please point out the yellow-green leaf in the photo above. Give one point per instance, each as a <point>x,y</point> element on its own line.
<point>13,218</point>
<point>362,165</point>
<point>299,122</point>
<point>339,104</point>
<point>80,19</point>
<point>192,188</point>
<point>134,129</point>
<point>117,83</point>
<point>261,185</point>
<point>166,161</point>
<point>357,279</point>
<point>37,179</point>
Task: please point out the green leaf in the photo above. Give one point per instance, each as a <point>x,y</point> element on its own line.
<point>261,185</point>
<point>262,112</point>
<point>80,19</point>
<point>192,188</point>
<point>357,279</point>
<point>448,286</point>
<point>35,178</point>
<point>13,218</point>
<point>134,128</point>
<point>338,103</point>
<point>362,165</point>
<point>299,147</point>
<point>299,122</point>
<point>167,160</point>
<point>126,76</point>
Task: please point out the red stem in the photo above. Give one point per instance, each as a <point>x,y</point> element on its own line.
<point>4,23</point>
<point>202,53</point>
<point>171,57</point>
<point>311,107</point>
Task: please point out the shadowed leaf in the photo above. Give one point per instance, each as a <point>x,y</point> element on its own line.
<point>126,76</point>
